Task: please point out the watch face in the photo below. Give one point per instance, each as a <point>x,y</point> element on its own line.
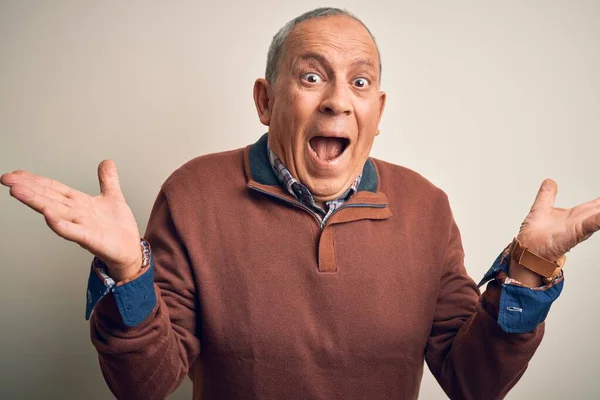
<point>145,252</point>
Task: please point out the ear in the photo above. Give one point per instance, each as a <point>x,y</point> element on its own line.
<point>382,97</point>
<point>262,101</point>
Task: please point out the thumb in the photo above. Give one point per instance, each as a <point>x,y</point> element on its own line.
<point>545,196</point>
<point>108,178</point>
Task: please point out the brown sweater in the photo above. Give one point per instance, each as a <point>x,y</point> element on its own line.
<point>255,300</point>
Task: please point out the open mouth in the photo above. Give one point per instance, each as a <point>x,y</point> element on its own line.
<point>328,148</point>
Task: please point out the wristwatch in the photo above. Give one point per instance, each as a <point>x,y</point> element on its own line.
<point>549,270</point>
<point>145,252</point>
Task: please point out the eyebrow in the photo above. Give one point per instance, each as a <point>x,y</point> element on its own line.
<point>312,56</point>
<point>364,61</point>
<point>323,60</point>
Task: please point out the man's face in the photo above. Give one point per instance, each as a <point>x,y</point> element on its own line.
<point>324,108</point>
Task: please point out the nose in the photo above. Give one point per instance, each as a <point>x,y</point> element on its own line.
<point>336,100</point>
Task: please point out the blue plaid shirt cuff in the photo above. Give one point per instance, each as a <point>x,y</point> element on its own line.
<point>135,299</point>
<point>521,308</point>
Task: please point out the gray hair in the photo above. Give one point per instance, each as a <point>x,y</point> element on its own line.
<point>276,47</point>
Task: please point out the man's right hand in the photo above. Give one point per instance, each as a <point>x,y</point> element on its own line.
<point>104,225</point>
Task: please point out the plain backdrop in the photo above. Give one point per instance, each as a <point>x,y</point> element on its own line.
<point>485,99</point>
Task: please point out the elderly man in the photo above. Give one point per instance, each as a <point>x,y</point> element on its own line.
<point>299,267</point>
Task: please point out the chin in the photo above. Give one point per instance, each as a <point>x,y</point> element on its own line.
<point>325,189</point>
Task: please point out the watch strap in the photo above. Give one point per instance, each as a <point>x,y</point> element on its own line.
<point>549,270</point>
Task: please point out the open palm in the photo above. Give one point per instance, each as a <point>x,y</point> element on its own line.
<point>550,231</point>
<point>104,224</point>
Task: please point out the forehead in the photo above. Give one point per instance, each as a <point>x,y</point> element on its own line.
<point>333,37</point>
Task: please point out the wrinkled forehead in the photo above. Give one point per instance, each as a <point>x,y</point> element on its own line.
<point>336,38</point>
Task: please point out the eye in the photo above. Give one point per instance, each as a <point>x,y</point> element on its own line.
<point>312,77</point>
<point>361,82</point>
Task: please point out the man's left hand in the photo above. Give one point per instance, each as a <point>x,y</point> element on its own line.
<point>551,232</point>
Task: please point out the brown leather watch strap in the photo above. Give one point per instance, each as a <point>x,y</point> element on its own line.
<point>536,263</point>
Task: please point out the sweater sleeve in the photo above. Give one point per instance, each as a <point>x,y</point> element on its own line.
<point>468,352</point>
<point>149,360</point>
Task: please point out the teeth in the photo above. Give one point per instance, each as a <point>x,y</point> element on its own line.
<point>330,148</point>
<point>314,152</point>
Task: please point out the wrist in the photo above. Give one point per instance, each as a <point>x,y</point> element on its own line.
<point>119,273</point>
<point>524,275</point>
<point>529,267</point>
<point>128,272</point>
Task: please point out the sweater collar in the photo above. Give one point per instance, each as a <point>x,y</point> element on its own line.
<point>261,171</point>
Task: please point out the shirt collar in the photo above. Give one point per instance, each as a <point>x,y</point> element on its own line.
<point>301,192</point>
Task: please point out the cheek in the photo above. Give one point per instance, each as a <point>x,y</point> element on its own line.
<point>368,114</point>
<point>285,106</point>
<point>298,109</point>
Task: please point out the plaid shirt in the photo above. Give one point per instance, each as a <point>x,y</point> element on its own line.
<point>303,194</point>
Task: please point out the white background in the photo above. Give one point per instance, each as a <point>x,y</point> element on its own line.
<point>485,99</point>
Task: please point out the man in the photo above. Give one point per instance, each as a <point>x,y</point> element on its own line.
<point>299,267</point>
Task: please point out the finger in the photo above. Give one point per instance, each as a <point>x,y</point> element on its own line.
<point>11,178</point>
<point>108,178</point>
<point>590,225</point>
<point>586,209</point>
<point>67,229</point>
<point>48,192</point>
<point>544,200</point>
<point>40,203</point>
<point>29,178</point>
<point>7,179</point>
<point>594,204</point>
